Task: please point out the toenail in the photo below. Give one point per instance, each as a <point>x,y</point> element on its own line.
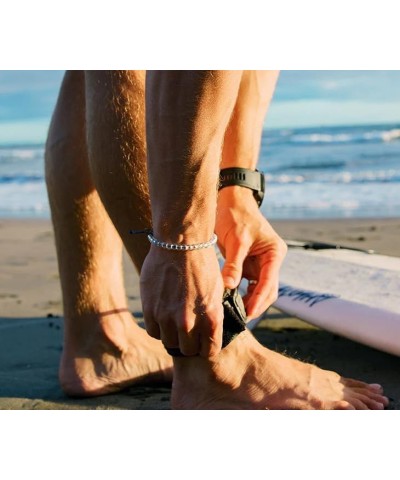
<point>376,386</point>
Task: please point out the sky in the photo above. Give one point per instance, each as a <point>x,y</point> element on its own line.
<point>302,99</point>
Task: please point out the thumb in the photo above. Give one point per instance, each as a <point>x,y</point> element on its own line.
<point>235,255</point>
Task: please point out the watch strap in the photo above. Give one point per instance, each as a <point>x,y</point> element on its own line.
<point>244,177</point>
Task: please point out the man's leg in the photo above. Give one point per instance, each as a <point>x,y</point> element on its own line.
<point>245,375</point>
<point>115,123</point>
<point>104,349</point>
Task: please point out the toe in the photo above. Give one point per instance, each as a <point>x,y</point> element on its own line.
<point>343,405</point>
<point>358,404</point>
<point>370,403</point>
<point>349,382</point>
<point>373,395</point>
<point>376,387</point>
<point>378,398</point>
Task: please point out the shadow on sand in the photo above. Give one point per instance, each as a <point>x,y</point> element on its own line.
<point>30,350</point>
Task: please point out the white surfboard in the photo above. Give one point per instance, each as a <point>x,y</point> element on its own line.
<point>353,294</point>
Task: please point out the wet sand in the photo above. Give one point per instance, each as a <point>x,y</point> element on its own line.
<point>31,323</point>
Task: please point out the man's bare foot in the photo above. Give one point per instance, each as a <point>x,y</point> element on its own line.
<point>109,354</point>
<point>246,375</point>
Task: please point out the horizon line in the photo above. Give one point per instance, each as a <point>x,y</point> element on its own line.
<point>266,128</point>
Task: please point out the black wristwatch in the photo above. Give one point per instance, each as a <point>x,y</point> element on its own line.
<point>244,177</point>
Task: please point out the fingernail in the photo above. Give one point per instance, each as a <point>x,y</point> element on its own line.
<point>230,282</point>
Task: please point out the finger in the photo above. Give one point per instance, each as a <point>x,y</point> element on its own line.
<point>251,287</point>
<point>249,292</point>
<point>259,301</point>
<point>211,334</point>
<point>169,335</point>
<point>265,292</point>
<point>262,295</point>
<point>151,326</point>
<point>189,342</point>
<point>235,256</point>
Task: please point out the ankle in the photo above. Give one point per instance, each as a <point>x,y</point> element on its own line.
<point>228,367</point>
<point>115,326</point>
<point>104,329</point>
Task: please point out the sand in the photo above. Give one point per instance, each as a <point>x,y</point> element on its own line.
<point>31,325</point>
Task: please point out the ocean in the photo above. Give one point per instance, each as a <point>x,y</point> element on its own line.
<point>327,172</point>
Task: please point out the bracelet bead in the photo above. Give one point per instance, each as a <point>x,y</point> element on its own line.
<point>182,246</point>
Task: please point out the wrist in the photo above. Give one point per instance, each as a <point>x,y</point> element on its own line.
<point>182,246</point>
<point>186,213</point>
<point>185,231</point>
<point>236,195</point>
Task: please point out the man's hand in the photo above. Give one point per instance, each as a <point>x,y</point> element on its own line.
<point>182,299</point>
<point>251,247</point>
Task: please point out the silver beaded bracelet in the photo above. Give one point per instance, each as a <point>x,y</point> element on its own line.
<point>182,246</point>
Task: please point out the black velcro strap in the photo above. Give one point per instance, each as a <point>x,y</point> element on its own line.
<point>234,316</point>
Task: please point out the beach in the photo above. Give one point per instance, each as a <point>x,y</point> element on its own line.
<point>31,324</point>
